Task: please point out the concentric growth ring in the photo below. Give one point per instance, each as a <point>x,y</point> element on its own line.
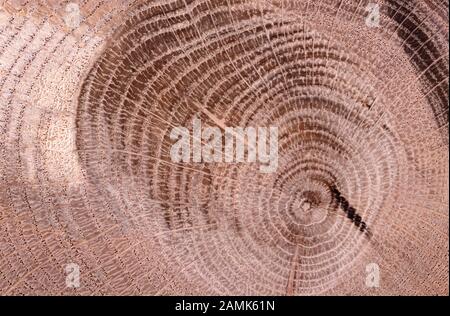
<point>343,158</point>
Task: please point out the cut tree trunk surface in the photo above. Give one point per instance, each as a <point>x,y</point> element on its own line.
<point>92,203</point>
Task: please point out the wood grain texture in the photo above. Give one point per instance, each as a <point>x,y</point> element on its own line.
<point>90,91</point>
